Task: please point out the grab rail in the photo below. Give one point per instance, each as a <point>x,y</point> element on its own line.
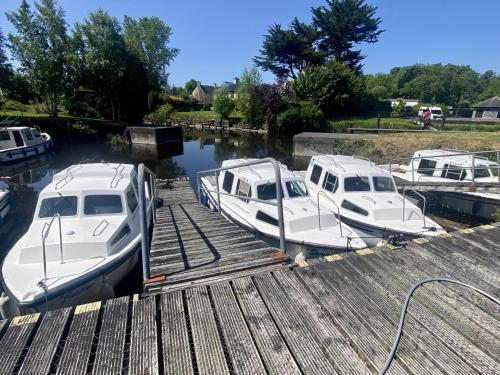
<point>45,233</point>
<point>279,196</point>
<point>103,229</point>
<point>65,179</point>
<point>321,192</point>
<point>420,195</point>
<point>118,175</point>
<point>143,212</point>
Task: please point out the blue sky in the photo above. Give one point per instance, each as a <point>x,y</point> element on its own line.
<point>218,38</point>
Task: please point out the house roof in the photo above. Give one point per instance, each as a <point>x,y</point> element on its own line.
<point>489,103</point>
<point>230,86</point>
<point>209,90</point>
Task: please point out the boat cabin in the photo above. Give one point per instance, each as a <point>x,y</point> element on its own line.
<point>20,136</point>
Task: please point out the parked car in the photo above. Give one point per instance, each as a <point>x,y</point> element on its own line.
<point>435,112</point>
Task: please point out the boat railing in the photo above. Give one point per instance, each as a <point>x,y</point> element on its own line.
<point>118,175</point>
<point>335,163</point>
<point>106,224</point>
<point>424,199</point>
<point>67,178</point>
<point>322,193</point>
<point>279,194</point>
<point>362,158</point>
<point>45,233</point>
<point>146,207</point>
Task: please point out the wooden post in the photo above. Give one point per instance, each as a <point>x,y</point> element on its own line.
<point>378,120</point>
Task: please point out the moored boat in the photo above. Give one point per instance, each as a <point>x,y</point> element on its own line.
<point>84,239</point>
<point>309,231</point>
<point>22,142</point>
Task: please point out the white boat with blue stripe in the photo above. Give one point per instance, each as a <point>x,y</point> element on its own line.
<point>22,142</point>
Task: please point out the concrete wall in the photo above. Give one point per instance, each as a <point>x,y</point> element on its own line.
<point>154,135</point>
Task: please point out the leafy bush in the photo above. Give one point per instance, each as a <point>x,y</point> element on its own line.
<point>267,102</point>
<point>80,108</point>
<point>160,116</point>
<point>224,105</point>
<point>496,216</point>
<point>302,116</point>
<point>12,105</point>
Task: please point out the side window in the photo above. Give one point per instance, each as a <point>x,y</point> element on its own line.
<point>4,135</point>
<point>316,173</point>
<point>227,184</point>
<point>131,200</point>
<point>330,182</point>
<point>243,189</point>
<point>426,166</point>
<point>28,135</point>
<point>453,172</point>
<point>354,208</point>
<point>36,133</point>
<point>266,218</point>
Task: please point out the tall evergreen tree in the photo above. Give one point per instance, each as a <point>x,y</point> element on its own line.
<point>5,68</point>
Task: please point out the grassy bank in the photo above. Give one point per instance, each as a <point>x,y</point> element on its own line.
<point>341,125</point>
<point>205,116</point>
<point>389,147</point>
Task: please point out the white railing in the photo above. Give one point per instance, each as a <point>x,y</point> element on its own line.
<point>279,191</point>
<point>420,195</point>
<point>45,234</point>
<point>145,208</point>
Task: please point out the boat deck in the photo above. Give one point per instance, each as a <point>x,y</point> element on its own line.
<point>193,245</point>
<point>335,315</point>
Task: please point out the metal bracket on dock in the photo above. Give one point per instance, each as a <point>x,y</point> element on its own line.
<point>155,278</point>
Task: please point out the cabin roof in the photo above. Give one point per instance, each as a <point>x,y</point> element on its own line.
<point>258,172</point>
<point>95,176</point>
<point>447,155</point>
<point>15,128</point>
<point>345,164</point>
<point>489,103</point>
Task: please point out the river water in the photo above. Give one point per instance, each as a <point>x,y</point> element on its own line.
<point>198,151</point>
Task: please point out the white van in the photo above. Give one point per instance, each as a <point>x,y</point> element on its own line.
<point>436,112</point>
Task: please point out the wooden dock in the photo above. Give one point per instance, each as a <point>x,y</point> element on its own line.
<point>335,315</point>
<point>193,245</point>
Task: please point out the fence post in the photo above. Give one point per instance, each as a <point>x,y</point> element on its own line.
<point>498,165</point>
<point>144,224</point>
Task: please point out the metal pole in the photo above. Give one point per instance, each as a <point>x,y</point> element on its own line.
<point>198,184</point>
<point>412,171</point>
<point>144,225</point>
<point>498,165</point>
<point>280,205</point>
<point>218,194</point>
<point>404,199</point>
<point>44,257</point>
<point>60,239</point>
<point>473,169</point>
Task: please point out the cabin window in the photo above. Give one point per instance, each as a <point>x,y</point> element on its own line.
<point>4,136</point>
<point>227,184</point>
<point>494,171</point>
<point>315,174</point>
<point>267,191</point>
<point>481,171</point>
<point>64,206</point>
<point>354,208</point>
<point>124,232</point>
<point>427,166</point>
<point>296,189</point>
<point>330,182</point>
<point>454,172</point>
<point>266,218</point>
<point>381,183</point>
<point>131,200</point>
<point>36,133</point>
<point>102,204</point>
<point>357,183</point>
<point>243,189</point>
<point>28,135</point>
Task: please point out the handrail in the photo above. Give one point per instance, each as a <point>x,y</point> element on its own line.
<point>279,196</point>
<point>118,175</point>
<point>335,163</point>
<point>420,195</point>
<point>103,229</point>
<point>65,178</point>
<point>369,199</point>
<point>362,158</point>
<point>321,192</point>
<point>45,233</point>
<point>143,213</point>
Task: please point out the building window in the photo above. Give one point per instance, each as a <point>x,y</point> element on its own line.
<point>315,174</point>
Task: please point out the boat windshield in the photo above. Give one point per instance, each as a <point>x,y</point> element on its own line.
<point>382,183</point>
<point>102,204</point>
<point>64,206</point>
<point>494,171</point>
<point>357,183</point>
<point>296,188</point>
<point>267,191</point>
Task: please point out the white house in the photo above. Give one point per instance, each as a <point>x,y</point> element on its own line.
<point>408,102</point>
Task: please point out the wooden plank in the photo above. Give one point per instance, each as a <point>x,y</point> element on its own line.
<point>272,347</point>
<point>143,358</point>
<point>175,335</point>
<point>43,348</point>
<point>111,344</point>
<point>78,344</point>
<point>14,340</point>
<point>209,351</point>
<point>244,355</point>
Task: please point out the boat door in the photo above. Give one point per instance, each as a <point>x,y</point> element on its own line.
<point>17,138</point>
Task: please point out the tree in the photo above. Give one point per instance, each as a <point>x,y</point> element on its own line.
<point>340,25</point>
<point>148,39</point>
<point>286,52</point>
<point>5,68</point>
<point>223,104</point>
<point>250,78</point>
<point>40,45</point>
<point>268,101</point>
<point>333,87</point>
<point>190,86</point>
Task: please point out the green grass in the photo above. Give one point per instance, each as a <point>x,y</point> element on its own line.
<point>341,125</point>
<point>205,116</point>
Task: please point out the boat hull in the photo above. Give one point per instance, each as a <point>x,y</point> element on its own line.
<point>25,152</point>
<point>470,204</point>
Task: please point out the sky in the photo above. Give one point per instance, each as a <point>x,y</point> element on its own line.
<point>219,38</point>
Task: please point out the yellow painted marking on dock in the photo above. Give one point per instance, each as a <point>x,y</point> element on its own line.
<point>446,235</point>
<point>390,246</point>
<point>420,241</point>
<point>364,251</point>
<point>136,297</point>
<point>467,230</point>
<point>333,257</point>
<point>88,307</point>
<point>487,226</point>
<point>302,264</point>
<point>25,319</point>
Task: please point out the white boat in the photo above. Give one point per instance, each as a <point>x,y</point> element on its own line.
<point>453,166</point>
<point>367,199</point>
<point>84,239</point>
<point>22,142</point>
<point>308,231</point>
<point>6,204</point>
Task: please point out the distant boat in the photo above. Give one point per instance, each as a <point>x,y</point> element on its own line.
<point>453,166</point>
<point>84,239</point>
<point>367,199</point>
<point>304,234</point>
<point>22,142</point>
